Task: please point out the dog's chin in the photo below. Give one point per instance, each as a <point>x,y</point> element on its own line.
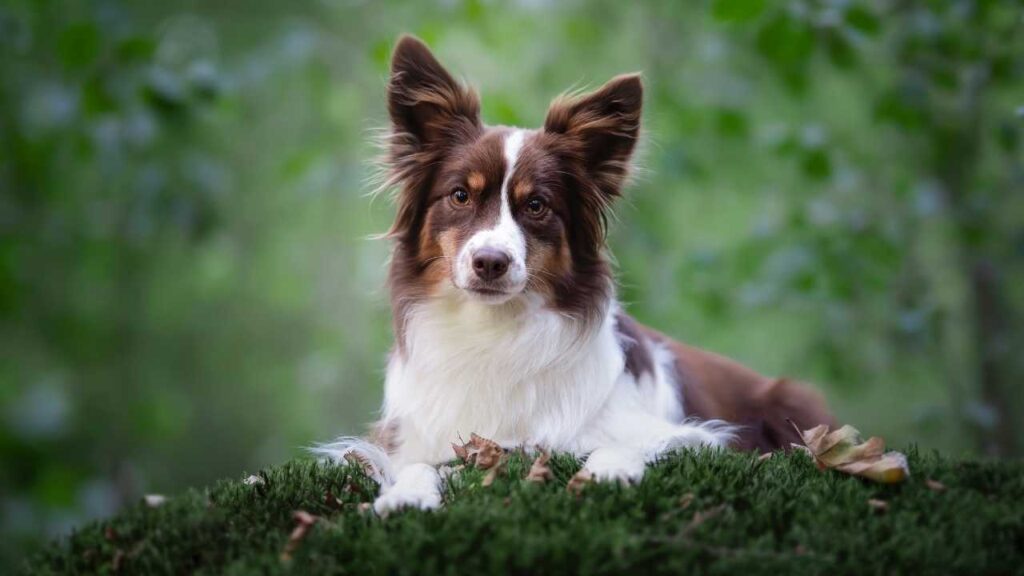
<point>491,296</point>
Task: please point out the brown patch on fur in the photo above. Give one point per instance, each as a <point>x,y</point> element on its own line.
<point>521,191</point>
<point>546,264</point>
<point>635,347</point>
<point>477,182</point>
<point>715,387</point>
<point>437,270</point>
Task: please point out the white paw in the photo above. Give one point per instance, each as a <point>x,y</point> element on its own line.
<point>397,498</point>
<point>616,465</point>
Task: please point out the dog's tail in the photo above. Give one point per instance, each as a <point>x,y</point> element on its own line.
<point>374,459</point>
<point>788,405</point>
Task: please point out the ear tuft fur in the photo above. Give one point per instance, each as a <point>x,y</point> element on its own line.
<point>603,128</point>
<point>430,114</point>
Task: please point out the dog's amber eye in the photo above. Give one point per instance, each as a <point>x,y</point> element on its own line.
<point>536,206</point>
<point>459,197</point>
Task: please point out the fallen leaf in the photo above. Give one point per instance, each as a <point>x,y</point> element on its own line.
<point>539,471</point>
<point>480,452</point>
<point>876,504</point>
<point>935,485</point>
<point>303,522</point>
<point>844,451</point>
<point>488,452</point>
<point>579,480</point>
<point>495,470</point>
<point>460,451</point>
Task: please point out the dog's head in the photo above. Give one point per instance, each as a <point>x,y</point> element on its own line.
<point>495,213</point>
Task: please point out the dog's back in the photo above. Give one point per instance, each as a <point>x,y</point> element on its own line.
<point>766,409</point>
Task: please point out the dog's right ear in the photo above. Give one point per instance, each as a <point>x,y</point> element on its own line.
<point>425,102</point>
<point>430,114</point>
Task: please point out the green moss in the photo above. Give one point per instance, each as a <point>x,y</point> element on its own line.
<point>779,516</point>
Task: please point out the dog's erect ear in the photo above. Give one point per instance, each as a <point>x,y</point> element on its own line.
<point>602,128</point>
<point>424,101</point>
<point>430,114</point>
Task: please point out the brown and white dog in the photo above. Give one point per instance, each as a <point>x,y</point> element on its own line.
<point>505,315</point>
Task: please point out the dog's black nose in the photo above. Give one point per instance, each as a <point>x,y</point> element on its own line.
<point>490,263</point>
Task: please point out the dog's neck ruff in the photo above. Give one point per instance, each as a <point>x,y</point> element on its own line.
<point>519,373</point>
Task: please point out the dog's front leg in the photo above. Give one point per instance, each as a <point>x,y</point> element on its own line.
<point>616,463</point>
<point>416,486</point>
<point>631,443</point>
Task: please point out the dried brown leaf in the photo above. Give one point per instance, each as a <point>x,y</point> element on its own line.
<point>480,452</point>
<point>303,522</point>
<point>460,451</point>
<point>935,485</point>
<point>539,471</point>
<point>488,452</point>
<point>879,505</point>
<point>844,451</point>
<point>579,480</point>
<point>494,471</point>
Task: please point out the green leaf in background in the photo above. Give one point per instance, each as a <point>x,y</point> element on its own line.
<point>862,19</point>
<point>737,10</point>
<point>78,45</point>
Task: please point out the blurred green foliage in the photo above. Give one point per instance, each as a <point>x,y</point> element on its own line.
<point>830,189</point>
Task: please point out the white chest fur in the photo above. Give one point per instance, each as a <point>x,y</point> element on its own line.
<point>519,374</point>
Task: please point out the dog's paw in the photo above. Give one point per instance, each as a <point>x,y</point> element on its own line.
<point>417,486</point>
<point>616,465</point>
<point>397,499</point>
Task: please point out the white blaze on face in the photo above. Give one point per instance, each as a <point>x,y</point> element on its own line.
<point>505,235</point>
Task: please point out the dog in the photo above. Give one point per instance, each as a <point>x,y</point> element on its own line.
<point>505,316</point>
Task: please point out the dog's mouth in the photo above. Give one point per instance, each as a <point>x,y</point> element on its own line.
<point>491,294</point>
<point>488,292</point>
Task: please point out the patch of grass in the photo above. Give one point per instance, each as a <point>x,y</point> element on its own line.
<point>706,512</point>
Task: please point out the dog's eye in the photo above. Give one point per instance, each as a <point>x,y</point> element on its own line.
<point>536,207</point>
<point>459,197</point>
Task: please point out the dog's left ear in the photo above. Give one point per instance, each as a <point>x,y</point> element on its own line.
<point>602,129</point>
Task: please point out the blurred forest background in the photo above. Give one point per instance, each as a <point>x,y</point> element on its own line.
<point>832,190</point>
